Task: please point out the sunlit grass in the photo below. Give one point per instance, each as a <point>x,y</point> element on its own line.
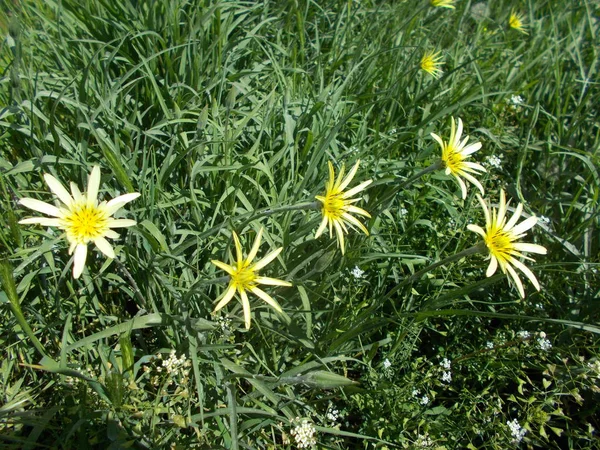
<point>224,116</point>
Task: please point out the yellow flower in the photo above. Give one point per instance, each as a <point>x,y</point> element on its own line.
<point>516,21</point>
<point>81,216</point>
<point>337,204</point>
<point>500,238</point>
<point>430,63</point>
<point>443,3</point>
<point>454,154</point>
<point>244,277</point>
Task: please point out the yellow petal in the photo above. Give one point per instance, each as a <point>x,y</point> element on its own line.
<point>226,298</point>
<point>246,307</point>
<point>267,259</point>
<point>266,297</point>
<point>221,265</point>
<point>272,281</point>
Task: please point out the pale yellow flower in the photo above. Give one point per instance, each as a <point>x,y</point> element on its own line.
<point>431,63</point>
<point>454,154</point>
<point>443,3</point>
<point>516,21</point>
<point>81,217</point>
<point>244,278</point>
<point>501,238</point>
<point>337,206</point>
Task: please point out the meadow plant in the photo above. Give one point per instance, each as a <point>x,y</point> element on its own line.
<point>218,118</point>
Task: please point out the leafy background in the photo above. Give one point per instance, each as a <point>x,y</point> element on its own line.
<point>223,115</point>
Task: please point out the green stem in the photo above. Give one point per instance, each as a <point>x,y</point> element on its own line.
<point>392,192</point>
<point>8,284</point>
<point>478,248</point>
<point>249,217</point>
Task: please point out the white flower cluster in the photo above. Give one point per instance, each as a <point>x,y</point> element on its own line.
<point>423,441</point>
<point>357,272</point>
<point>517,431</point>
<point>424,400</point>
<point>515,103</point>
<point>544,343</point>
<point>493,161</point>
<point>173,367</point>
<point>516,100</point>
<point>447,375</point>
<point>304,433</point>
<point>523,334</point>
<point>387,364</point>
<point>595,368</point>
<point>489,345</point>
<point>332,414</point>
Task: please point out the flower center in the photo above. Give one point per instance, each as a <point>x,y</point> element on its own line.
<point>427,64</point>
<point>84,223</point>
<point>452,159</point>
<point>499,243</point>
<point>244,278</point>
<point>333,206</point>
<point>514,22</point>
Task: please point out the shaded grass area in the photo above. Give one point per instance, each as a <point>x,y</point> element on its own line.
<point>224,115</point>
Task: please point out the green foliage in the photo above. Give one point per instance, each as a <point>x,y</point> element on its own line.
<point>223,115</point>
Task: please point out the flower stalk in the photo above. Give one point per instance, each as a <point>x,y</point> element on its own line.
<point>477,248</point>
<point>8,284</point>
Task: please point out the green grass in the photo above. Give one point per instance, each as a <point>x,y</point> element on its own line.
<point>223,115</point>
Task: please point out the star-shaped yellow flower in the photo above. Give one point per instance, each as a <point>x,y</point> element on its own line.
<point>81,216</point>
<point>431,63</point>
<point>516,21</point>
<point>244,278</point>
<point>337,205</point>
<point>454,154</point>
<point>501,238</point>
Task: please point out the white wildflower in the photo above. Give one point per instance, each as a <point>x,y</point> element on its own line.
<point>447,377</point>
<point>332,414</point>
<point>423,441</point>
<point>489,345</point>
<point>415,392</point>
<point>516,430</point>
<point>304,433</point>
<point>424,400</point>
<point>387,364</point>
<point>446,363</point>
<point>516,100</point>
<point>544,343</point>
<point>523,334</point>
<point>493,161</point>
<point>357,272</point>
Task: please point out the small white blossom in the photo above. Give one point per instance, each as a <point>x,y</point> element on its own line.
<point>332,414</point>
<point>415,392</point>
<point>357,272</point>
<point>516,100</point>
<point>423,441</point>
<point>493,161</point>
<point>304,433</point>
<point>387,364</point>
<point>543,343</point>
<point>489,345</point>
<point>523,334</point>
<point>447,377</point>
<point>403,211</point>
<point>517,431</point>
<point>446,363</point>
<point>424,400</point>
<point>595,368</point>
